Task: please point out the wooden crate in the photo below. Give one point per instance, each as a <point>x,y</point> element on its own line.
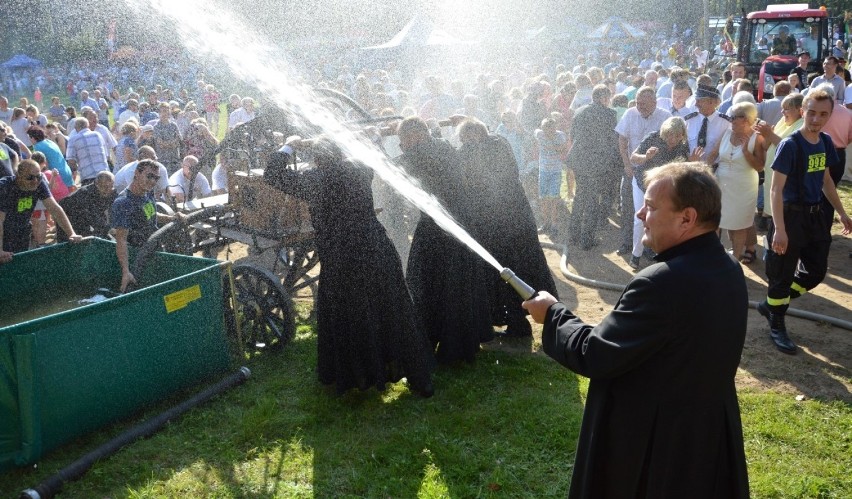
<point>264,208</point>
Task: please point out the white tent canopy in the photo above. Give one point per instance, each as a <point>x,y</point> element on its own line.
<point>420,32</point>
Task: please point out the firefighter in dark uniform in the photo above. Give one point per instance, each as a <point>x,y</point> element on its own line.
<point>799,235</point>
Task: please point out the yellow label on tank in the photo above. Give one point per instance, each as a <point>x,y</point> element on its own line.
<point>182,298</point>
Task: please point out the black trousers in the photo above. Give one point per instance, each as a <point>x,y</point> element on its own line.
<point>587,209</point>
<point>803,266</point>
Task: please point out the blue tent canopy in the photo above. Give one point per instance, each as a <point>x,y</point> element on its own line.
<point>21,61</point>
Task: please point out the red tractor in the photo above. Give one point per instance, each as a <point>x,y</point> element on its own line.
<point>770,40</point>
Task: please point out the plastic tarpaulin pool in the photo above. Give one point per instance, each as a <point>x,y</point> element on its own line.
<point>68,373</point>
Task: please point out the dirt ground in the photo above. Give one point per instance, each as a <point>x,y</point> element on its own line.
<point>821,369</point>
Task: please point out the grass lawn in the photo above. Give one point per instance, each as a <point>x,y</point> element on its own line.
<point>505,427</point>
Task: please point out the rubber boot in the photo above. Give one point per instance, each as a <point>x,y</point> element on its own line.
<point>777,327</point>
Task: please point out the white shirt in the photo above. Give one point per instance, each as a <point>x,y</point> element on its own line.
<point>635,128</point>
<point>727,90</point>
<point>220,178</point>
<point>109,139</point>
<point>126,115</point>
<point>239,116</point>
<point>666,105</point>
<point>124,177</point>
<point>178,184</point>
<point>717,125</point>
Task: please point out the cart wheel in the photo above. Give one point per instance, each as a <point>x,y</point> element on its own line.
<point>294,262</point>
<point>264,309</point>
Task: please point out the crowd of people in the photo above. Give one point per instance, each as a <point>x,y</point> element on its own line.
<point>687,166</point>
<point>581,134</point>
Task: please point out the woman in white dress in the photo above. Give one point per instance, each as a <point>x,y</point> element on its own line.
<point>740,156</point>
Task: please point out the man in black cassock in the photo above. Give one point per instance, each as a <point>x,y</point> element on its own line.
<point>502,222</point>
<point>662,417</point>
<point>445,278</point>
<point>595,161</point>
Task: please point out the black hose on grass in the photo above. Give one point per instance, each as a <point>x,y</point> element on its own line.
<point>52,485</point>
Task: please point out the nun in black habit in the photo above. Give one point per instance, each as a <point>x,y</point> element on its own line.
<point>367,331</point>
<point>446,278</point>
<point>503,223</point>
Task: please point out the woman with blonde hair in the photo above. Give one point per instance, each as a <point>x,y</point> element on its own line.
<point>740,155</point>
<point>656,149</point>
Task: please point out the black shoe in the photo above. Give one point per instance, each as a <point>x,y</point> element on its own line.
<point>782,342</point>
<point>763,309</point>
<point>635,262</point>
<point>777,329</point>
<point>624,249</point>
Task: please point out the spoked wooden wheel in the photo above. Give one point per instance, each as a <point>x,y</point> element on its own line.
<point>294,262</point>
<point>263,307</point>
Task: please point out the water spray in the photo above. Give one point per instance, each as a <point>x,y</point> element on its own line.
<point>525,290</point>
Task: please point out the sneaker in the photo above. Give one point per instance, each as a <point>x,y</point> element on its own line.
<point>634,262</point>
<point>624,249</point>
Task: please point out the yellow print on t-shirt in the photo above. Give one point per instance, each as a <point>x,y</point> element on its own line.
<point>25,204</point>
<point>816,162</point>
<point>149,210</point>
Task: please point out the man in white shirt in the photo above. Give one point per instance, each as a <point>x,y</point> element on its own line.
<point>706,136</point>
<point>124,176</point>
<point>738,70</point>
<point>179,182</point>
<point>677,104</point>
<point>132,111</point>
<point>243,114</point>
<point>106,135</point>
<point>634,126</point>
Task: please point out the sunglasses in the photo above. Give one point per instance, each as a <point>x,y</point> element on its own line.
<point>33,177</point>
<point>152,176</point>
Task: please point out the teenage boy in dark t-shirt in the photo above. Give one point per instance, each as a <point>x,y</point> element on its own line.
<point>134,216</point>
<point>799,235</point>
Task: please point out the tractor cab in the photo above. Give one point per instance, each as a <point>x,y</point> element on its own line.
<point>771,40</point>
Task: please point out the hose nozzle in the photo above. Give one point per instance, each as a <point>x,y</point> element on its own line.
<point>517,284</point>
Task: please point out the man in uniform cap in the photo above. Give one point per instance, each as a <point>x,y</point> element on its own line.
<point>705,127</point>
